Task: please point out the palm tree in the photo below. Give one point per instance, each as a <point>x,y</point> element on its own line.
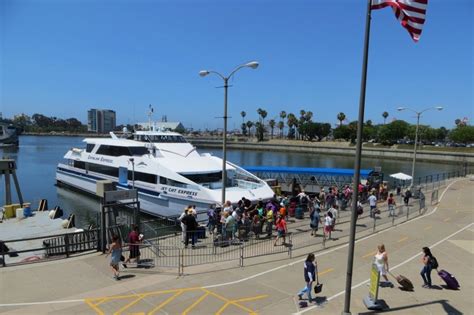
<point>263,114</point>
<point>384,115</point>
<point>281,125</point>
<point>249,126</point>
<point>341,116</point>
<point>291,121</point>
<point>272,123</point>
<point>457,122</point>
<point>243,114</point>
<point>259,112</point>
<point>282,115</point>
<point>308,116</point>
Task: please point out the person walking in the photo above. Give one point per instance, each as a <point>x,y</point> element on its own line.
<point>425,273</point>
<point>269,220</point>
<point>282,230</point>
<point>372,204</point>
<point>407,196</point>
<point>328,225</point>
<point>115,250</point>
<point>315,220</point>
<point>381,261</point>
<point>211,219</point>
<point>310,270</point>
<point>391,205</point>
<point>134,246</point>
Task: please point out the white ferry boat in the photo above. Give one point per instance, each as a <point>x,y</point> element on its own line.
<point>167,171</point>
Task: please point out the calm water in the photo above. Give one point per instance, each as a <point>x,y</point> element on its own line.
<point>37,158</point>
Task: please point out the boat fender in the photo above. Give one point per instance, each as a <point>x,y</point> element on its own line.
<point>51,214</point>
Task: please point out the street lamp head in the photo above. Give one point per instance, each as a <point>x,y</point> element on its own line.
<point>439,107</point>
<point>401,108</point>
<point>203,73</point>
<point>252,64</point>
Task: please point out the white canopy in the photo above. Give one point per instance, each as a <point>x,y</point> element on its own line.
<point>401,176</point>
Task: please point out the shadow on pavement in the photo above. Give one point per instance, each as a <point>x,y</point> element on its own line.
<point>448,308</point>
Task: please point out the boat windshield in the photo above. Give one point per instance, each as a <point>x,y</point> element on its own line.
<point>161,138</point>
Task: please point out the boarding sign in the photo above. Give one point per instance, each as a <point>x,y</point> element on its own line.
<point>374,282</point>
<point>117,195</point>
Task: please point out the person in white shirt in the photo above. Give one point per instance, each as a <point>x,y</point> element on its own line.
<point>328,223</point>
<point>372,204</point>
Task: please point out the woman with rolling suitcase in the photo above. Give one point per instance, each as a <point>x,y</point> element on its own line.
<point>427,260</point>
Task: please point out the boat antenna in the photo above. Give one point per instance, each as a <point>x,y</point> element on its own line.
<point>150,113</point>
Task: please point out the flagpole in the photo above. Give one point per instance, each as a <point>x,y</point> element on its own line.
<point>360,124</point>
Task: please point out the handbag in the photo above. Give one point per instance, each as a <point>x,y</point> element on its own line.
<point>319,286</point>
<point>122,258</point>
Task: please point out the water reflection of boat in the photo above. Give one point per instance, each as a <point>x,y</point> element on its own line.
<point>8,135</point>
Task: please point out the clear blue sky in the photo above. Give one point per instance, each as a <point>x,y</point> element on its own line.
<point>61,58</point>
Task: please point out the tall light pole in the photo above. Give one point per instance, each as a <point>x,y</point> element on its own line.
<point>203,73</point>
<point>418,114</point>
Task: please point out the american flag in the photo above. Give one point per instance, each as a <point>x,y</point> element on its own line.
<point>410,13</point>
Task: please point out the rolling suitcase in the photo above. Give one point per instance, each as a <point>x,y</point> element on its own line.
<point>450,280</point>
<point>404,282</point>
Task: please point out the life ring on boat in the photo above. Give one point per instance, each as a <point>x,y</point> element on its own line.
<point>31,258</point>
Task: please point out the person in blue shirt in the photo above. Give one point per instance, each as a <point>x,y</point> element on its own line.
<point>310,270</point>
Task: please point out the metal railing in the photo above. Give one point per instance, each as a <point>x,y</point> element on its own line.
<point>170,252</point>
<point>42,248</point>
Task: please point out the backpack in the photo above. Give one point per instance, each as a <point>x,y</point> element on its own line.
<point>434,262</point>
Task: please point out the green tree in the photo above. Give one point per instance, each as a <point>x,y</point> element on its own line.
<point>342,132</point>
<point>272,123</point>
<point>384,115</point>
<point>393,131</point>
<point>249,127</point>
<point>291,122</point>
<point>463,134</point>
<point>260,130</point>
<point>244,129</point>
<point>341,116</point>
<point>243,114</point>
<point>281,125</point>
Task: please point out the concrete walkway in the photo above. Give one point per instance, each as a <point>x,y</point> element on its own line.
<point>268,284</point>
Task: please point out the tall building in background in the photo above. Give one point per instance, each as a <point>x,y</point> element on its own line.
<point>101,120</point>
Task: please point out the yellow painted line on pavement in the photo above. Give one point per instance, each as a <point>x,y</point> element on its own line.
<point>402,239</point>
<point>171,298</point>
<point>370,254</point>
<point>219,312</point>
<point>428,227</point>
<point>251,298</point>
<point>227,302</point>
<point>95,308</point>
<point>447,219</point>
<point>325,271</point>
<point>138,299</point>
<point>186,311</point>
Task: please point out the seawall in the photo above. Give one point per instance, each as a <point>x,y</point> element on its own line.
<point>341,149</point>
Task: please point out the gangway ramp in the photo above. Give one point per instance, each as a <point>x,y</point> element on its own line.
<point>309,178</point>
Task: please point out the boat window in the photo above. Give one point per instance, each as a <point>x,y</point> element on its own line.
<point>103,169</point>
<point>1,131</point>
<point>138,151</point>
<point>143,177</point>
<point>111,150</point>
<point>80,164</point>
<point>171,182</point>
<point>204,178</point>
<point>90,147</point>
<point>161,138</point>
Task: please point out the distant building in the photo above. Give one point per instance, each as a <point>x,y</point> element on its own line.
<point>101,120</point>
<point>163,125</point>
